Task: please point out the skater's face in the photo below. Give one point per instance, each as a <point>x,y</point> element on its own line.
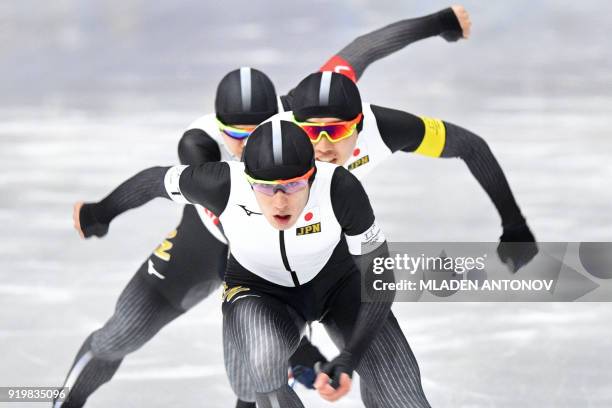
<point>338,152</point>
<point>234,145</point>
<point>281,209</point>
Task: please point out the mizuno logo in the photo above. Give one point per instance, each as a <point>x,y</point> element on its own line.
<point>247,211</point>
<point>359,162</point>
<point>152,271</point>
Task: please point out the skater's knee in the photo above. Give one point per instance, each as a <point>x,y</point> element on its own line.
<point>267,367</point>
<point>116,344</point>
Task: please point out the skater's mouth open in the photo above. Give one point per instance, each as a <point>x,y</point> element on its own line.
<point>282,218</point>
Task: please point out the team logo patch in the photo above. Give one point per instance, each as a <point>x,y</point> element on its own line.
<point>308,229</point>
<point>229,293</point>
<point>163,250</point>
<point>359,162</point>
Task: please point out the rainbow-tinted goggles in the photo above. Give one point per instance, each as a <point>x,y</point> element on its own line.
<point>234,132</point>
<point>334,131</point>
<point>288,186</point>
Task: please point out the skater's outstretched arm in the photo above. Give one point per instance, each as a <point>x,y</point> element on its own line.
<point>195,147</point>
<point>207,184</point>
<point>452,24</point>
<point>365,241</point>
<point>436,138</point>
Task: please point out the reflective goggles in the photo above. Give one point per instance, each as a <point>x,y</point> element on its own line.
<point>235,132</point>
<point>334,131</point>
<point>288,186</point>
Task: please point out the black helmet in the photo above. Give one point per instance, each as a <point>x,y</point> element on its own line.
<point>245,96</point>
<point>326,94</point>
<point>278,150</point>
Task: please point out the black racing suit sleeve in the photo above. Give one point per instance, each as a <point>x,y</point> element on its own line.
<point>197,147</point>
<point>134,192</point>
<point>404,131</point>
<point>350,202</point>
<point>375,45</point>
<point>207,184</point>
<point>354,212</point>
<point>479,158</point>
<point>369,48</point>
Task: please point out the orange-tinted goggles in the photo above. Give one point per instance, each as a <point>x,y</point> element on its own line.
<point>334,131</point>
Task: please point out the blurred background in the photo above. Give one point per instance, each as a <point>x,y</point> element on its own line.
<point>92,92</point>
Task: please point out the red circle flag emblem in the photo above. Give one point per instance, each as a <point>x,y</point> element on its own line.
<point>308,216</point>
<point>356,152</point>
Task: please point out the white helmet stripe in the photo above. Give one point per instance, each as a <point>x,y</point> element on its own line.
<point>325,88</point>
<point>277,142</point>
<point>245,88</point>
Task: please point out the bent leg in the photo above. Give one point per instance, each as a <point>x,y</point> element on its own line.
<point>140,313</point>
<point>388,369</point>
<point>260,334</point>
<point>238,375</point>
<point>389,372</point>
<point>184,269</point>
<point>367,397</point>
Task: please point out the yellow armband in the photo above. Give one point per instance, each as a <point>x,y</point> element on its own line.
<point>434,138</point>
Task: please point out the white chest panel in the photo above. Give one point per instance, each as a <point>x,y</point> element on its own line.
<point>370,150</point>
<point>256,245</point>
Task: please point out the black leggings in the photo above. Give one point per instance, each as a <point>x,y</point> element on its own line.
<point>140,313</point>
<point>190,263</point>
<point>261,332</point>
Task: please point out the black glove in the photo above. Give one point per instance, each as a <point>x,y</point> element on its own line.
<point>517,246</point>
<point>451,29</point>
<point>90,224</point>
<point>341,364</point>
<point>303,363</point>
